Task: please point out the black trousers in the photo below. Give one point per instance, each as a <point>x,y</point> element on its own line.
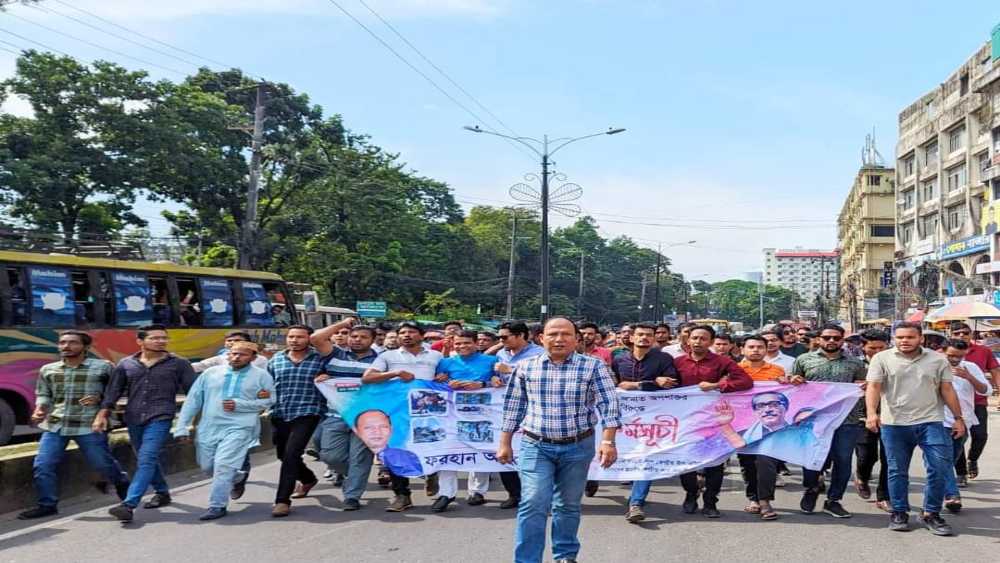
<point>760,473</point>
<point>400,485</point>
<point>290,440</point>
<point>713,484</point>
<point>511,483</point>
<point>977,438</point>
<point>869,450</point>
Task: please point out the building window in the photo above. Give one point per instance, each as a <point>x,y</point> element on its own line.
<point>874,180</point>
<point>956,138</point>
<point>907,233</point>
<point>908,166</point>
<point>928,191</point>
<point>963,85</point>
<point>983,159</point>
<point>908,199</point>
<point>956,178</point>
<point>956,216</point>
<point>883,230</point>
<point>928,225</point>
<point>931,154</point>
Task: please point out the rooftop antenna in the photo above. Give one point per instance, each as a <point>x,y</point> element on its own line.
<point>870,157</point>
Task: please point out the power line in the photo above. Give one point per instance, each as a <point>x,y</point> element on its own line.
<point>96,45</point>
<point>437,68</point>
<point>40,44</point>
<point>153,39</point>
<point>423,74</point>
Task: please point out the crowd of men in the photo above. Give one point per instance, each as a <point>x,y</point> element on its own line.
<point>920,389</point>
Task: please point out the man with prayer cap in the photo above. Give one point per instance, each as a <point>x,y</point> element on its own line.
<point>230,399</point>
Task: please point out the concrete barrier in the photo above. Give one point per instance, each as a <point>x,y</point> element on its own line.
<point>76,477</point>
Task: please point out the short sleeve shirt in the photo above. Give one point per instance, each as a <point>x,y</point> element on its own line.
<point>910,386</point>
<point>816,366</point>
<point>422,365</point>
<point>477,367</point>
<point>985,360</point>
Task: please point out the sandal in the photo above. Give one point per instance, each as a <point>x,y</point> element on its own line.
<point>768,514</point>
<point>752,508</point>
<point>883,505</point>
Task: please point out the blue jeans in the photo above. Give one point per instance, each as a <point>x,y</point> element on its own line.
<point>342,450</point>
<point>951,482</point>
<point>936,443</point>
<point>147,441</point>
<point>841,454</point>
<point>640,490</point>
<point>51,448</point>
<point>553,476</point>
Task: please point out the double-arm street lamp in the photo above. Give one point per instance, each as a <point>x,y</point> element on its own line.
<point>541,148</point>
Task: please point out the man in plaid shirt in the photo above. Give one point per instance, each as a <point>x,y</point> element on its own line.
<point>551,399</point>
<point>296,414</point>
<point>68,395</point>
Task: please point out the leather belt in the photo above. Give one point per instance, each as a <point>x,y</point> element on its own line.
<point>571,440</point>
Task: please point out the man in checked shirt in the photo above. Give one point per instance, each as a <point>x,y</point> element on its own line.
<point>552,398</point>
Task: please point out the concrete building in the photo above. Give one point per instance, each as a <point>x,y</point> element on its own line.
<point>942,159</point>
<point>866,238</point>
<point>808,272</point>
<point>988,86</point>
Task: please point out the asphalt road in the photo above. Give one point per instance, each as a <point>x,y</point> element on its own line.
<point>319,531</point>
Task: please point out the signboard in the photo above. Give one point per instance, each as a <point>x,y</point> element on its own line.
<point>807,314</point>
<point>995,43</point>
<point>925,246</point>
<point>372,309</point>
<point>965,247</point>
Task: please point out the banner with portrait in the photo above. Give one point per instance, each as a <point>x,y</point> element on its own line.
<point>51,297</point>
<point>133,303</point>
<point>421,427</point>
<point>216,302</point>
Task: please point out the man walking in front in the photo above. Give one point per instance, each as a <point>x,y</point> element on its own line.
<point>913,386</point>
<point>551,399</point>
<point>68,395</point>
<point>831,364</point>
<point>151,378</point>
<point>227,401</point>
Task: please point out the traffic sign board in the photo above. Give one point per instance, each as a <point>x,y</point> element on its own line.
<point>372,309</point>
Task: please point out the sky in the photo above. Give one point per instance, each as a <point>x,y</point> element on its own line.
<point>745,120</point>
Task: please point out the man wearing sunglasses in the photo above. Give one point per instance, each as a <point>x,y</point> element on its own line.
<point>984,360</point>
<point>831,364</point>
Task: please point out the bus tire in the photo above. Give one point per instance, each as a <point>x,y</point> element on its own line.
<point>7,422</point>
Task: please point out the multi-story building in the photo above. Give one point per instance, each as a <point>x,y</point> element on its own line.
<point>942,159</point>
<point>988,85</point>
<point>866,239</point>
<point>808,272</point>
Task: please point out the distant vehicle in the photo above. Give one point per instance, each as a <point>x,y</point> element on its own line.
<point>323,315</point>
<point>720,325</point>
<point>41,294</point>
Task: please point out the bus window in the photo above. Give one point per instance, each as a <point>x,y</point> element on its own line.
<point>83,299</point>
<point>106,298</point>
<point>18,295</point>
<point>279,308</point>
<point>51,297</point>
<point>216,301</point>
<point>161,300</point>
<point>257,304</point>
<point>132,298</point>
<point>187,289</point>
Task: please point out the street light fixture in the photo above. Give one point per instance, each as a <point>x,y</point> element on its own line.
<point>541,148</point>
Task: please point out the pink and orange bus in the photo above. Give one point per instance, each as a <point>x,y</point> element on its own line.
<point>41,294</point>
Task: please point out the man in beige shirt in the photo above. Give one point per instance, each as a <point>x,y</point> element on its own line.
<point>913,385</point>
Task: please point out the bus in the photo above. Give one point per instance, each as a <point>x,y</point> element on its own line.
<point>720,325</point>
<point>324,315</point>
<point>42,294</point>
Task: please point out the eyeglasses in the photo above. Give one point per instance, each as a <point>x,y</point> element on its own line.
<point>961,333</point>
<point>828,338</point>
<point>768,405</point>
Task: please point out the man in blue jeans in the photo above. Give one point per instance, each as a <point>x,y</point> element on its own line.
<point>151,378</point>
<point>67,397</point>
<point>913,385</point>
<point>551,399</point>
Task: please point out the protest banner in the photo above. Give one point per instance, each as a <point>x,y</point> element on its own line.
<point>421,427</point>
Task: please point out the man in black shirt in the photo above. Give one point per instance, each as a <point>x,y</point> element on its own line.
<point>790,345</point>
<point>643,368</point>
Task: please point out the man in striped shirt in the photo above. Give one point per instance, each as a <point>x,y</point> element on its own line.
<point>551,399</point>
<point>339,447</point>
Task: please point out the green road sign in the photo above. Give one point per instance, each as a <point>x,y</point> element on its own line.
<point>372,309</point>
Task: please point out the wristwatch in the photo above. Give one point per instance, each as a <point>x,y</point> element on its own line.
<point>608,443</point>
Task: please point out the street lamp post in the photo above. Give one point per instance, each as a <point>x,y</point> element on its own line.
<point>657,312</point>
<point>545,154</point>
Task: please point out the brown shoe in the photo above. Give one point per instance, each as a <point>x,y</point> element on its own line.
<point>281,509</point>
<point>431,487</point>
<point>400,503</point>
<point>302,489</point>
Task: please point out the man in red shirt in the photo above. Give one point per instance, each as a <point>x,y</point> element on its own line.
<point>982,357</point>
<point>592,343</point>
<point>447,344</point>
<point>710,372</point>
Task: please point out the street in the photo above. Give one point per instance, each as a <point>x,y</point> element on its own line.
<point>318,530</point>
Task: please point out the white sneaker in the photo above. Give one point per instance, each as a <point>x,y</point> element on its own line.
<point>779,481</point>
<point>328,474</point>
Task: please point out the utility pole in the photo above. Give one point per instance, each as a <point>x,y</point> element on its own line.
<point>760,296</point>
<point>545,229</point>
<point>250,221</point>
<point>579,297</point>
<point>642,297</point>
<point>657,313</point>
<point>510,269</point>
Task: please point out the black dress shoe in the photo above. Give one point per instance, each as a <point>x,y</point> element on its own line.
<point>159,500</point>
<point>238,490</point>
<point>122,512</point>
<point>441,504</point>
<point>38,512</point>
<point>511,502</point>
<point>690,505</point>
<point>476,499</point>
<point>121,489</point>
<point>710,511</point>
<point>591,488</point>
